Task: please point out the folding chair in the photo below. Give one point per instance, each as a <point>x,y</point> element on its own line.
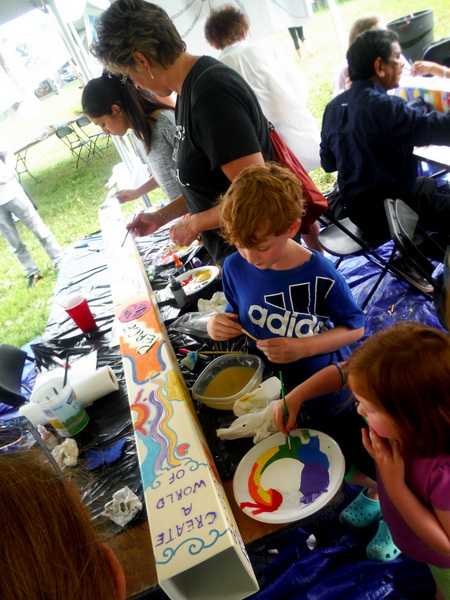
<point>438,52</point>
<point>12,360</point>
<point>96,136</point>
<point>76,144</point>
<point>343,238</point>
<point>404,225</point>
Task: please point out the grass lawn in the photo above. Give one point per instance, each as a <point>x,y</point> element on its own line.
<point>68,199</point>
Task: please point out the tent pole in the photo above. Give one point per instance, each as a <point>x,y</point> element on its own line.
<point>70,43</point>
<point>338,25</point>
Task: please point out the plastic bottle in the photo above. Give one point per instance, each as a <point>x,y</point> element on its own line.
<point>196,262</point>
<point>178,264</point>
<point>178,293</point>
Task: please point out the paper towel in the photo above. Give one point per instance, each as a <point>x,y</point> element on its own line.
<point>87,389</point>
<point>95,385</point>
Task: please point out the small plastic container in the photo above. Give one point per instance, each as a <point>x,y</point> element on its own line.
<point>219,365</point>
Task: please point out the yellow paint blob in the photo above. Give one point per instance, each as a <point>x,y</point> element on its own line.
<point>202,276</point>
<point>228,382</point>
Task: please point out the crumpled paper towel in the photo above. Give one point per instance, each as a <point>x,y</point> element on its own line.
<point>258,398</point>
<point>124,506</point>
<point>260,425</point>
<point>253,402</point>
<point>66,454</point>
<point>218,302</point>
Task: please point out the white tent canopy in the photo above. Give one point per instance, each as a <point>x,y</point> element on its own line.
<point>11,9</point>
<point>189,16</point>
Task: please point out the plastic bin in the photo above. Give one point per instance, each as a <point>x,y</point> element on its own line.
<point>220,365</point>
<point>415,32</point>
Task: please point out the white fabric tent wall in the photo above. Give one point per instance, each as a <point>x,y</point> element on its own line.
<point>189,16</point>
<point>264,16</point>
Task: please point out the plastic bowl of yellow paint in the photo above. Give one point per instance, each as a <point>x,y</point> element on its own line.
<point>228,378</point>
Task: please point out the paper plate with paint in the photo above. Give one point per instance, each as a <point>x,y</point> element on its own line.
<point>273,484</point>
<point>196,279</point>
<point>165,256</point>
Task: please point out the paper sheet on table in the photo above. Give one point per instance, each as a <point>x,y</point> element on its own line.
<point>83,366</point>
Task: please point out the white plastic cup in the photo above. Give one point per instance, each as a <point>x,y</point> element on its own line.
<point>65,413</point>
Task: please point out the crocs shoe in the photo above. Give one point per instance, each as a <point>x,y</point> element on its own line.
<point>382,548</point>
<point>362,512</point>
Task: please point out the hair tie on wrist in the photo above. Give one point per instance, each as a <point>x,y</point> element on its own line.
<point>342,373</point>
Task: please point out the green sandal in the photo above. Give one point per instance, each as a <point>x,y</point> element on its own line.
<point>362,512</point>
<point>382,548</point>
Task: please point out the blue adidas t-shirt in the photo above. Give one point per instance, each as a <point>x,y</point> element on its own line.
<point>303,301</point>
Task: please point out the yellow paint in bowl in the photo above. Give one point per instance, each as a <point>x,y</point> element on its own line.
<point>229,382</point>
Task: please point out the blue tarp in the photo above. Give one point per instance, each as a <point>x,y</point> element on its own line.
<point>337,569</point>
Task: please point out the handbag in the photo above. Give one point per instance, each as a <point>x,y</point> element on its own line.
<point>315,201</point>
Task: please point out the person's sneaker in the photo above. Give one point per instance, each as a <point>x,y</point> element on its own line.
<point>33,279</point>
<point>410,273</point>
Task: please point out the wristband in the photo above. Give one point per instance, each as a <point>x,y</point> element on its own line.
<point>342,373</point>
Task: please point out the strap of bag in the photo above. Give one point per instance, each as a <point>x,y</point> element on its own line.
<point>316,203</point>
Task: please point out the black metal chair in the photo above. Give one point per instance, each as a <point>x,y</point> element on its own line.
<point>83,149</point>
<point>342,238</point>
<point>99,140</point>
<point>12,361</point>
<point>404,225</point>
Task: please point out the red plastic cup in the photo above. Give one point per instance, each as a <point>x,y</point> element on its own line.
<point>78,309</point>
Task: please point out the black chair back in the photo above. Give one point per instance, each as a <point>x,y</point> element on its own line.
<point>438,52</point>
<point>12,360</point>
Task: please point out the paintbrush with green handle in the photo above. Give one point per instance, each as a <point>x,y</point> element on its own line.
<point>286,416</point>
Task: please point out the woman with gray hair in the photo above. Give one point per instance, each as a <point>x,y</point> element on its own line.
<point>220,128</point>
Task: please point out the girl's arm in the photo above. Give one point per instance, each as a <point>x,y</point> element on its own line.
<point>425,67</point>
<point>432,526</point>
<point>285,350</point>
<point>326,381</point>
<point>134,194</point>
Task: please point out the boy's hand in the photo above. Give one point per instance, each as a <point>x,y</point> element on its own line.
<point>282,349</point>
<point>224,326</point>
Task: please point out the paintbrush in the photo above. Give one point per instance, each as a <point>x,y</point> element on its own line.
<point>286,416</point>
<point>128,231</point>
<point>67,367</point>
<point>249,335</point>
<point>59,362</point>
<point>220,352</point>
